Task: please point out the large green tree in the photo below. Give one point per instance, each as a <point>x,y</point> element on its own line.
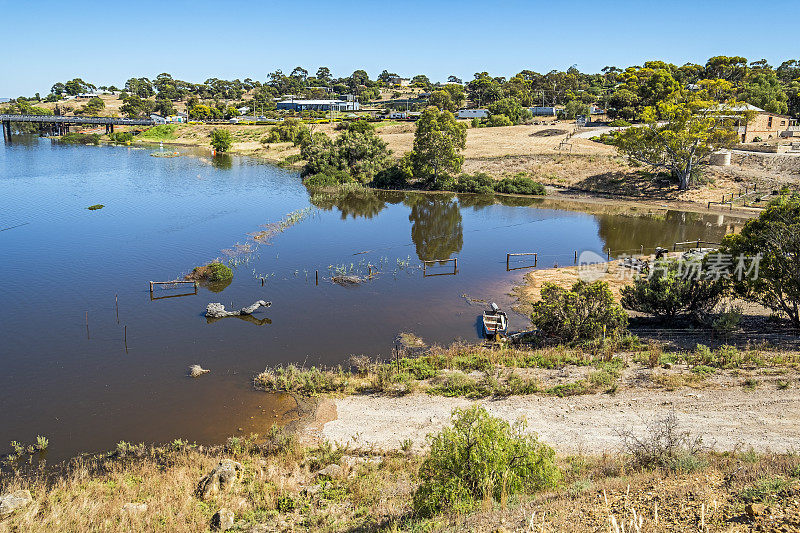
<point>677,137</point>
<point>438,143</point>
<point>774,239</point>
<point>763,89</point>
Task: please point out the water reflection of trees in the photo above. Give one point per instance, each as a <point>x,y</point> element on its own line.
<point>436,228</point>
<point>626,233</point>
<point>353,202</point>
<point>222,161</point>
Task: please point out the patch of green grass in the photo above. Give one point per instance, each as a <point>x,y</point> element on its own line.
<point>161,132</point>
<point>764,490</point>
<point>750,383</point>
<point>704,370</point>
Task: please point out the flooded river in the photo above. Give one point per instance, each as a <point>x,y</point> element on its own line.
<point>64,266</point>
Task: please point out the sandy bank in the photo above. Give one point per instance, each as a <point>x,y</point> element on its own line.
<point>766,419</point>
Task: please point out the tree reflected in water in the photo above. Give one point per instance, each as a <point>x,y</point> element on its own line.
<point>351,202</point>
<point>436,228</point>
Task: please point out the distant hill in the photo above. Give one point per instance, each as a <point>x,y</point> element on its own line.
<point>4,100</point>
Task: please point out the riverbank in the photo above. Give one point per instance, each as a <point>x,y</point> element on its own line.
<point>589,171</point>
<point>274,483</point>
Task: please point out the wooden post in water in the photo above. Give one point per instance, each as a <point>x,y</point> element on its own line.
<point>87,324</point>
<point>508,262</point>
<point>126,338</point>
<point>116,304</point>
<point>455,265</point>
<point>576,257</point>
<point>316,277</point>
<point>608,254</point>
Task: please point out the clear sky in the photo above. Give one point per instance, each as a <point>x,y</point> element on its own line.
<point>107,42</point>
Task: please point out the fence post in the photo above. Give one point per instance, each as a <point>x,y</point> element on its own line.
<point>508,262</point>
<point>576,257</point>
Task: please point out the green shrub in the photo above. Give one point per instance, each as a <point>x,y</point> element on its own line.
<point>670,291</point>
<point>320,180</point>
<point>481,457</point>
<point>361,155</point>
<point>80,138</point>
<point>213,272</point>
<point>480,183</point>
<point>587,311</point>
<point>393,177</point>
<point>121,137</point>
<point>499,120</point>
<point>764,490</point>
<point>727,320</point>
<point>221,140</point>
<point>519,184</point>
<point>290,130</point>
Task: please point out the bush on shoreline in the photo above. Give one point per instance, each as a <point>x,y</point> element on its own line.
<point>80,138</point>
<point>481,457</point>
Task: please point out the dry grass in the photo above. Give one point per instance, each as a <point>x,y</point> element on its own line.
<point>279,488</point>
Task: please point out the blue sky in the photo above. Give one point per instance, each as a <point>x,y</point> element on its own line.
<point>234,39</point>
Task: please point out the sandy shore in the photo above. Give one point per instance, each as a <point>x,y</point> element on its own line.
<point>766,419</point>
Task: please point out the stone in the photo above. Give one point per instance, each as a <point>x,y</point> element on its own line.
<point>222,520</point>
<point>14,501</point>
<point>196,371</point>
<point>217,310</point>
<point>221,479</point>
<point>754,509</point>
<point>134,508</point>
<point>331,471</point>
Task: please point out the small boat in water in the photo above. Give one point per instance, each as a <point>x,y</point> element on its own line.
<point>495,321</point>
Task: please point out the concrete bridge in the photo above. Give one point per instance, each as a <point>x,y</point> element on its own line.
<point>59,124</point>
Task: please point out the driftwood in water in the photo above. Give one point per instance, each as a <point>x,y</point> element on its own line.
<point>217,310</point>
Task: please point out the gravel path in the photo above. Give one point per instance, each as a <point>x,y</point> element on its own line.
<point>766,419</point>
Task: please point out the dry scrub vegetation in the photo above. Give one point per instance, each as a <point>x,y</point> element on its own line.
<point>288,487</point>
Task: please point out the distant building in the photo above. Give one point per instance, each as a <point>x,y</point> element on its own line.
<point>318,105</point>
<point>158,119</point>
<point>472,113</point>
<point>397,80</point>
<point>763,126</point>
<point>543,111</point>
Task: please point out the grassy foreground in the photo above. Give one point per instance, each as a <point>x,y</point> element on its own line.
<point>287,487</point>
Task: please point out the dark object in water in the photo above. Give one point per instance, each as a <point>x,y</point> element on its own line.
<point>495,321</point>
<point>95,207</point>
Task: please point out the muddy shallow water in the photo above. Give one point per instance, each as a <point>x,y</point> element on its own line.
<point>81,388</point>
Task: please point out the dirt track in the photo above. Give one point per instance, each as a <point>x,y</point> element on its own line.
<point>765,418</point>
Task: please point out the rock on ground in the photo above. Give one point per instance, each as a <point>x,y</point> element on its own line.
<point>14,501</point>
<point>221,479</point>
<point>134,508</point>
<point>222,520</point>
